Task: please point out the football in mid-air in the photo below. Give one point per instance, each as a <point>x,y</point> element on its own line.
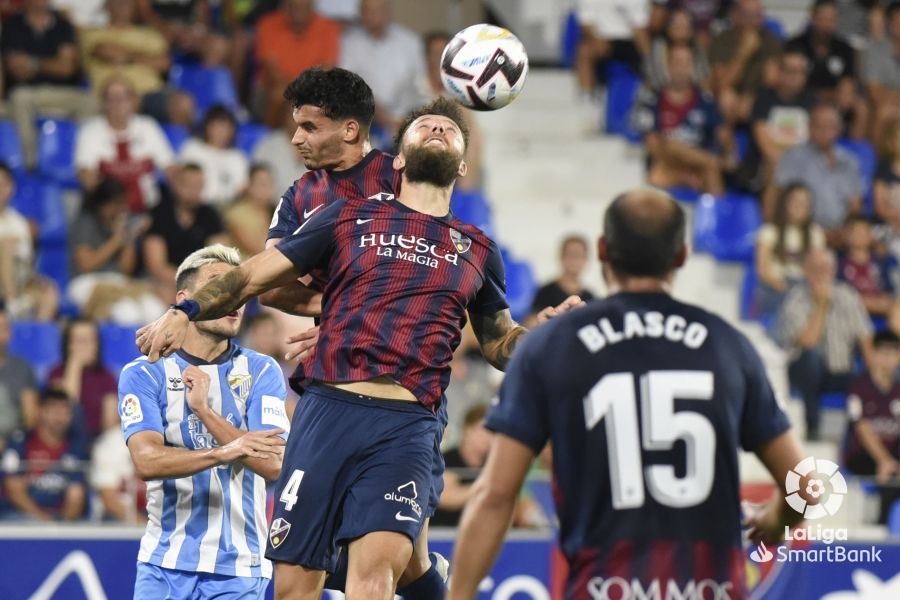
<point>484,67</point>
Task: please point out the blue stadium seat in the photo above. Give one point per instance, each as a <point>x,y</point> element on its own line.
<point>11,146</point>
<point>520,285</point>
<point>749,310</point>
<point>621,92</point>
<point>685,194</point>
<point>176,134</point>
<point>774,26</point>
<point>868,163</point>
<point>117,344</point>
<point>471,206</point>
<point>726,227</point>
<point>54,262</point>
<point>893,521</point>
<point>42,201</point>
<point>569,41</point>
<point>56,151</point>
<point>38,343</point>
<point>833,400</point>
<point>742,142</point>
<point>208,85</point>
<point>248,135</point>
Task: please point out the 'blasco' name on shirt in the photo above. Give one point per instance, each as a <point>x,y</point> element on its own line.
<point>651,324</point>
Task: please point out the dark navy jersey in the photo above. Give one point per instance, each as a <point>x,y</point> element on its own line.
<point>399,283</point>
<point>646,401</point>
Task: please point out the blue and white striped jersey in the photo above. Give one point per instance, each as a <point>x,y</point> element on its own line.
<point>214,521</point>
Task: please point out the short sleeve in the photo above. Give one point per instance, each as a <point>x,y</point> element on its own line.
<point>139,408</point>
<point>86,143</point>
<point>491,297</point>
<point>643,115</point>
<point>521,411</point>
<point>786,170</point>
<point>854,401</point>
<point>766,236</point>
<point>13,462</point>
<point>762,419</point>
<point>285,220</point>
<point>312,244</point>
<point>265,407</point>
<point>104,471</point>
<point>817,239</point>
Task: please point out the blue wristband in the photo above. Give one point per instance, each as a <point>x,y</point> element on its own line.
<point>189,307</point>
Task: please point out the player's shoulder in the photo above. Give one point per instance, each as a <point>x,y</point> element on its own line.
<point>142,370</point>
<point>257,361</point>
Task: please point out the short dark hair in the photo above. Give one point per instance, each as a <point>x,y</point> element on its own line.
<point>885,337</point>
<point>51,395</point>
<point>640,246</point>
<point>440,106</point>
<point>108,190</point>
<point>4,168</point>
<point>857,219</point>
<point>67,336</point>
<point>572,239</point>
<point>258,167</point>
<point>820,3</point>
<point>341,94</point>
<point>192,167</point>
<point>218,112</point>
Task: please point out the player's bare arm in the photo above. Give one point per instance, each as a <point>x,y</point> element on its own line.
<point>488,514</point>
<point>153,459</point>
<point>779,456</point>
<point>197,383</point>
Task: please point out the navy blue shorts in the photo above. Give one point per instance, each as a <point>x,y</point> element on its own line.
<point>353,465</point>
<point>437,464</point>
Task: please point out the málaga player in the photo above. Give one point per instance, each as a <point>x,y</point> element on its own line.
<point>402,274</point>
<point>203,427</point>
<point>646,401</point>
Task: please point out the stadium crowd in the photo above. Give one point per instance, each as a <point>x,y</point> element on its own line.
<point>135,132</point>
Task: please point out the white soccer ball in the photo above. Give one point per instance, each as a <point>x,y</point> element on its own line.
<point>484,67</point>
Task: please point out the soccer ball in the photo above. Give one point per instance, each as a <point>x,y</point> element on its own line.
<point>484,67</point>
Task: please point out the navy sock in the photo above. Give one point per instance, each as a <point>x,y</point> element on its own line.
<point>429,586</point>
<point>338,579</point>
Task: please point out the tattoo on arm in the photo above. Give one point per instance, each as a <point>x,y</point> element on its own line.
<point>222,295</point>
<point>497,334</point>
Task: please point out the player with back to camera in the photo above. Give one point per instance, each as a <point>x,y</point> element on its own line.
<point>202,427</point>
<point>635,507</point>
<point>401,275</point>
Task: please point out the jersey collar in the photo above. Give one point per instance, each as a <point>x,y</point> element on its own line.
<point>219,360</point>
<point>355,168</point>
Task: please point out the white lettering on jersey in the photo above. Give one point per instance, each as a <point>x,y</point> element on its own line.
<point>130,411</point>
<point>273,413</point>
<point>674,328</point>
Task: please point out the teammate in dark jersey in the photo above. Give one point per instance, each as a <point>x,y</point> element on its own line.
<point>401,275</point>
<point>646,401</point>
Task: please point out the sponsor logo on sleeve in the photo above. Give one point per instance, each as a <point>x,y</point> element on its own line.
<point>273,413</point>
<point>130,410</point>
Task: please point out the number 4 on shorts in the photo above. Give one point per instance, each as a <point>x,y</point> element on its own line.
<point>289,494</point>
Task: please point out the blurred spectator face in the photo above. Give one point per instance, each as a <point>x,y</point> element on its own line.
<point>55,417</point>
<point>119,101</point>
<point>824,127</point>
<point>188,187</point>
<point>7,188</point>
<point>792,73</point>
<point>681,67</point>
<point>748,14</point>
<point>120,11</point>
<point>477,441</point>
<point>226,327</point>
<point>219,133</point>
<point>680,29</point>
<point>113,210</point>
<point>84,342</point>
<point>819,267</point>
<point>824,21</point>
<point>886,358</point>
<point>375,15</point>
<point>799,206</point>
<point>299,12</point>
<point>261,188</point>
<point>573,257</point>
<point>5,333</point>
<point>859,235</point>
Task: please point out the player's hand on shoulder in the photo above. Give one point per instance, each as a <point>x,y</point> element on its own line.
<point>305,343</point>
<point>554,311</point>
<point>196,381</point>
<point>164,336</point>
<point>260,443</point>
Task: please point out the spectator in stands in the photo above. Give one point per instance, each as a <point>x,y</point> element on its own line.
<point>104,257</point>
<point>881,70</point>
<point>679,31</point>
<point>18,387</point>
<point>831,172</point>
<point>462,466</point>
<point>123,145</point>
<point>391,60</point>
<point>26,294</point>
<point>782,246</point>
<point>869,274</point>
<point>247,219</point>
<point>886,187</point>
<point>44,467</point>
<point>872,446</point>
<point>833,71</point>
<point>610,30</point>
<point>224,166</point>
<point>187,27</point>
<point>744,60</point>
<point>83,13</point>
<point>573,256</point>
<point>860,21</point>
<point>473,382</point>
<point>82,376</point>
<point>181,224</point>
<point>40,61</point>
<point>703,14</point>
<point>820,324</point>
<point>277,151</point>
<point>139,54</point>
<point>683,131</point>
<point>780,120</point>
<point>288,42</point>
<point>264,332</point>
<point>122,494</point>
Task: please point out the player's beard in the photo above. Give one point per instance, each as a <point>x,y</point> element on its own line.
<point>436,166</point>
<point>222,329</point>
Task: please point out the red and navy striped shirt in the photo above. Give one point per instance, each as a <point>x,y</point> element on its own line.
<point>399,283</point>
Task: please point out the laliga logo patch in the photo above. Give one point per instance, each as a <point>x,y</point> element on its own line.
<point>460,242</point>
<point>239,384</point>
<point>279,532</point>
<point>130,411</point>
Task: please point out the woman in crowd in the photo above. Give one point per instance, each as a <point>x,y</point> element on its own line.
<point>224,166</point>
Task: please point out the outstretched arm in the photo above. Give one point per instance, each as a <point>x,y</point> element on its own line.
<point>295,298</point>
